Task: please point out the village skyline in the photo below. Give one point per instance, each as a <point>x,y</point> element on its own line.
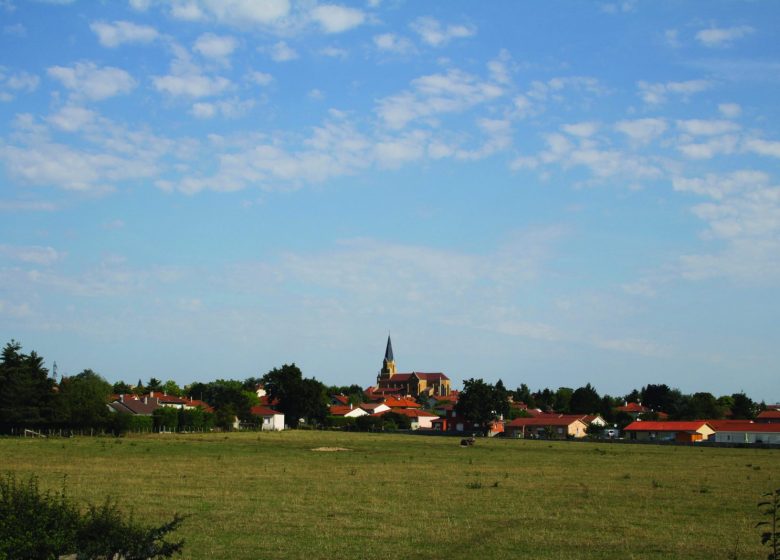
<point>548,193</point>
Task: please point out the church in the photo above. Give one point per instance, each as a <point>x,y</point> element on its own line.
<point>415,384</point>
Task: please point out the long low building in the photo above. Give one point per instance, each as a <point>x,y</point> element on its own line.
<point>547,427</point>
<point>680,431</point>
<point>748,432</point>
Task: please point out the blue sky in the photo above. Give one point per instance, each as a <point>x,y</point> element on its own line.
<point>548,192</point>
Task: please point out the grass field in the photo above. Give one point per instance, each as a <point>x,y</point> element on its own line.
<point>270,496</point>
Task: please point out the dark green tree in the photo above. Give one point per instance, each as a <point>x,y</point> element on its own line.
<point>743,407</point>
<point>298,397</point>
<point>477,403</point>
<point>154,384</point>
<point>523,395</point>
<point>82,400</point>
<point>229,399</point>
<point>121,388</point>
<point>26,390</point>
<point>501,399</point>
<point>585,400</point>
<point>563,400</point>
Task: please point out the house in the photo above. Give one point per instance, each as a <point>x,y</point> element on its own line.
<point>745,431</point>
<point>373,408</point>
<point>634,410</point>
<point>547,426</point>
<point>680,431</point>
<point>594,420</point>
<point>131,404</point>
<point>401,402</point>
<point>270,420</point>
<point>347,411</point>
<point>419,419</point>
<point>768,416</point>
<point>451,422</point>
<point>415,383</point>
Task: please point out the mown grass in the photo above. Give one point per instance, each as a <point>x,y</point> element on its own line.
<point>268,495</point>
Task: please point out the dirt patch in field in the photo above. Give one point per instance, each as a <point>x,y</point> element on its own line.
<point>331,449</point>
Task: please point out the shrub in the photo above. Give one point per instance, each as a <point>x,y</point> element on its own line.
<point>46,525</point>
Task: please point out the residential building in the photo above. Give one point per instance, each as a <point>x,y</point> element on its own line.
<point>681,431</point>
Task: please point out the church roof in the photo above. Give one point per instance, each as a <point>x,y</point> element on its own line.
<point>389,350</point>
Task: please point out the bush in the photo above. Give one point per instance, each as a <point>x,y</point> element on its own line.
<point>45,525</point>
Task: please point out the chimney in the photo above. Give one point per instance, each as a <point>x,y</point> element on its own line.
<point>350,406</point>
<point>146,400</point>
<point>122,398</point>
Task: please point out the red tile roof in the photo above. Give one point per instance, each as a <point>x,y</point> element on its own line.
<point>408,412</point>
<point>745,426</point>
<point>633,407</point>
<point>651,426</point>
<point>340,409</point>
<point>262,411</point>
<point>769,415</point>
<point>343,399</point>
<point>546,420</point>
<point>398,402</point>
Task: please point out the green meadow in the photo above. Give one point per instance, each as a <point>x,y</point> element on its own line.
<point>278,495</point>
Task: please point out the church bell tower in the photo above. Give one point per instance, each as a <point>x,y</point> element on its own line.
<point>388,364</point>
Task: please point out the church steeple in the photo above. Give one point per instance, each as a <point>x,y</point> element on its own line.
<point>389,350</point>
<point>388,364</point>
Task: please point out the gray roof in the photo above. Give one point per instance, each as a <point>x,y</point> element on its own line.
<point>389,350</point>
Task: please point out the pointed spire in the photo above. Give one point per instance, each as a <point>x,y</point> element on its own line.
<point>389,350</point>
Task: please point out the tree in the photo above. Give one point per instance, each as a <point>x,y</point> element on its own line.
<point>658,397</point>
<point>523,394</point>
<point>228,398</point>
<point>478,403</point>
<point>585,400</point>
<point>699,406</point>
<point>82,399</point>
<point>298,397</point>
<point>563,400</point>
<point>170,387</point>
<point>500,399</point>
<point>743,407</point>
<point>121,388</point>
<point>26,390</point>
<point>154,384</point>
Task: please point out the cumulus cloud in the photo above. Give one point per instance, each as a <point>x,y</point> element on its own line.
<point>337,19</point>
<point>435,94</point>
<point>642,130</point>
<point>214,46</point>
<point>121,32</point>
<point>700,127</point>
<point>582,129</point>
<point>31,254</point>
<point>436,34</point>
<point>72,118</point>
<point>730,110</point>
<point>763,147</point>
<point>390,42</point>
<point>722,37</point>
<point>228,108</point>
<point>657,93</point>
<point>11,85</point>
<point>743,217</point>
<point>87,80</point>
<point>240,13</point>
<point>282,52</point>
<point>187,79</point>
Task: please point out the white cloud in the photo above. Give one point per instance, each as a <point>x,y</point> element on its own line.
<point>121,32</point>
<point>11,85</point>
<point>334,52</point>
<point>763,147</point>
<point>699,127</point>
<point>707,150</point>
<point>393,153</point>
<point>434,33</point>
<point>191,85</point>
<point>140,5</point>
<point>31,254</point>
<point>72,118</point>
<point>744,219</point>
<point>240,13</point>
<point>86,79</point>
<point>337,19</point>
<point>657,93</point>
<point>16,30</point>
<point>434,94</point>
<point>215,46</point>
<point>390,42</point>
<point>730,110</point>
<point>722,37</point>
<point>582,129</point>
<point>260,78</point>
<point>642,130</point>
<point>282,52</point>
<point>228,108</point>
